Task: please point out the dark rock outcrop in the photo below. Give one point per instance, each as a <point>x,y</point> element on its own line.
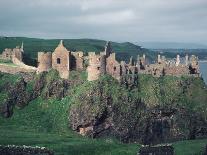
<point>99,113</point>
<point>19,96</point>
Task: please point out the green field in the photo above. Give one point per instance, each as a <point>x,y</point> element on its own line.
<point>72,144</point>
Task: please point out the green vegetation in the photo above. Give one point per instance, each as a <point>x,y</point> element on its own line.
<point>7,62</point>
<point>44,122</point>
<point>6,80</point>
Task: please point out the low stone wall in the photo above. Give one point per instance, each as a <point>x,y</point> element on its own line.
<point>24,150</point>
<point>22,65</point>
<point>156,150</point>
<point>14,69</point>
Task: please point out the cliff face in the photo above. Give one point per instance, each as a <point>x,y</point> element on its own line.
<point>157,110</point>
<point>149,110</point>
<point>22,91</point>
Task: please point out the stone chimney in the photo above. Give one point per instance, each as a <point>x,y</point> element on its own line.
<point>138,60</point>
<point>159,59</point>
<point>22,47</point>
<point>186,60</point>
<point>177,60</point>
<point>131,61</point>
<point>144,57</point>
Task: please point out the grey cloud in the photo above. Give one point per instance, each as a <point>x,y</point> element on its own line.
<point>118,20</point>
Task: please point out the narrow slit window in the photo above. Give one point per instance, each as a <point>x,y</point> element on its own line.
<point>58,60</point>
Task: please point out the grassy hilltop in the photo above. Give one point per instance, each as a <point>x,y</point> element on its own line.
<point>44,120</point>
<point>32,46</point>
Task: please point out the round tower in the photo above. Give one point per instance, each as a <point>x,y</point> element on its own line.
<point>44,61</point>
<point>97,66</point>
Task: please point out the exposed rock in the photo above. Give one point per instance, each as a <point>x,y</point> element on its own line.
<point>97,112</point>
<point>57,89</point>
<point>39,85</point>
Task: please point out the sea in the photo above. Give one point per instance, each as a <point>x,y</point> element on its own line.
<point>203,70</point>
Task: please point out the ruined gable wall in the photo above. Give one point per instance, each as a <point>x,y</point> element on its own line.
<point>61,61</point>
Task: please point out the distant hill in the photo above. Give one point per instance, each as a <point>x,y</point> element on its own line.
<point>33,45</point>
<point>171,45</point>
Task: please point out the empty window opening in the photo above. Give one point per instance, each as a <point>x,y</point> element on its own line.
<point>58,60</point>
<point>114,68</point>
<point>98,68</point>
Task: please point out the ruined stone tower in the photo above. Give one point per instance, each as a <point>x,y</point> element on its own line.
<point>44,61</point>
<point>97,66</point>
<point>61,60</point>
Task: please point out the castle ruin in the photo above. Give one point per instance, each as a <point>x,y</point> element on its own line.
<point>105,62</point>
<point>61,59</point>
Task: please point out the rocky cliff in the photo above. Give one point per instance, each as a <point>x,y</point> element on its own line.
<point>149,110</point>
<point>157,110</point>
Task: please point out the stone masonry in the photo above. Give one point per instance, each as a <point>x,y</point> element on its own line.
<point>61,59</point>
<point>104,63</point>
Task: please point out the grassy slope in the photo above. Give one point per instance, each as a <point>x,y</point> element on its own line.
<point>32,46</point>
<point>31,126</point>
<point>45,123</point>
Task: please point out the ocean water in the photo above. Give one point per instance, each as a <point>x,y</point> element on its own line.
<point>203,70</point>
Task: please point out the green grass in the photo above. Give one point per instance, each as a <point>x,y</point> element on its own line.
<point>190,147</point>
<point>7,62</point>
<point>67,144</point>
<point>42,123</point>
<point>72,144</point>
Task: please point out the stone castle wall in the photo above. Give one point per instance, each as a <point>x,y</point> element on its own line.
<point>14,69</point>
<point>97,66</point>
<point>44,61</point>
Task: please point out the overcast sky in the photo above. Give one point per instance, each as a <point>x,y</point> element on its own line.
<point>116,20</point>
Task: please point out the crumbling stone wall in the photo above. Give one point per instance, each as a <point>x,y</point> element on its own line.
<point>97,66</point>
<point>14,69</point>
<point>44,61</point>
<point>77,60</point>
<point>7,54</point>
<point>176,70</point>
<point>113,67</point>
<point>61,60</point>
